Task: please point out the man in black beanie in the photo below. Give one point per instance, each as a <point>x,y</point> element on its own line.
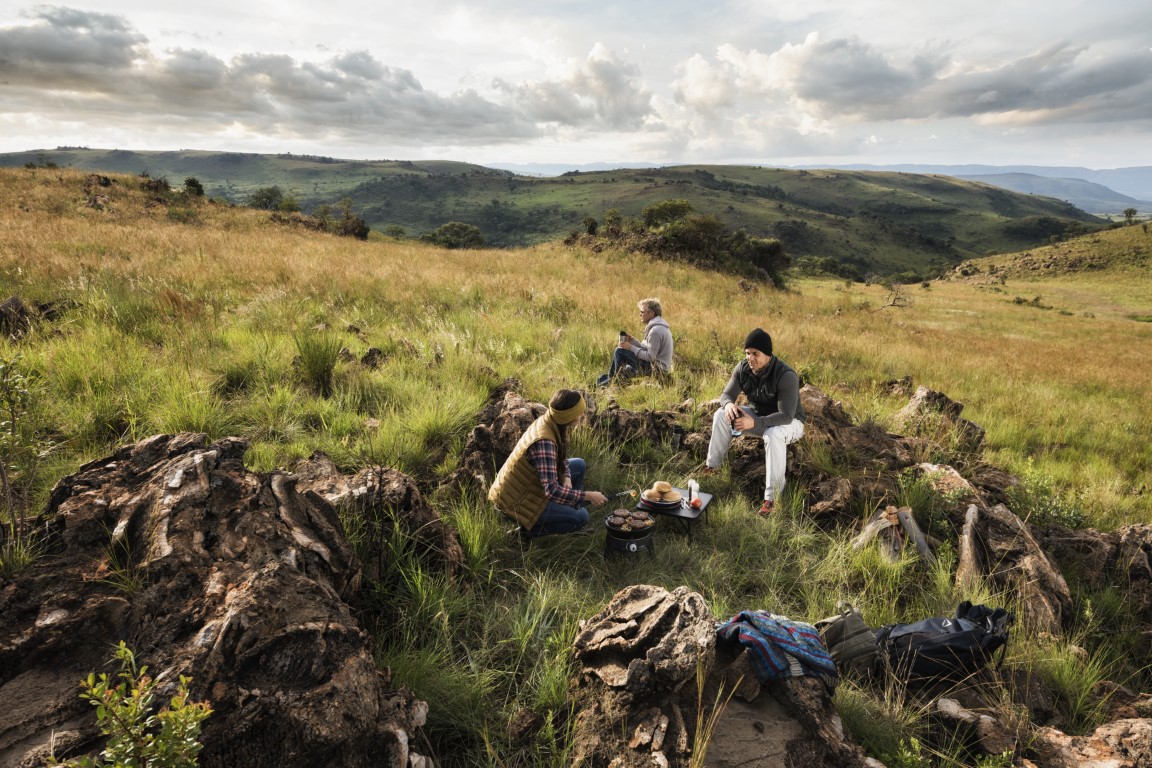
<point>773,413</point>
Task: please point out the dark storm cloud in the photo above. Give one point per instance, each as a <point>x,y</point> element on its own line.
<point>67,62</point>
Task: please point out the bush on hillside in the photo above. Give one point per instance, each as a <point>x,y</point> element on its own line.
<point>455,234</point>
<point>672,230</point>
<point>273,199</point>
<point>193,187</point>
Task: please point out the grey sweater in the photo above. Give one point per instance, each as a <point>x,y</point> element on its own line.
<point>657,345</point>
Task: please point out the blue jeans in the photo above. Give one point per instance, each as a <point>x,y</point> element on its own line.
<point>620,358</point>
<point>559,518</point>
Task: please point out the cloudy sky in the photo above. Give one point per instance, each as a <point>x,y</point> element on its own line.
<point>1051,82</point>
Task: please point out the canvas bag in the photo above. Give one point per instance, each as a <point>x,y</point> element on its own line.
<point>945,648</point>
<point>851,643</point>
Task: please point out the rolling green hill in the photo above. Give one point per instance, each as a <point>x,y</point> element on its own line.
<point>859,221</point>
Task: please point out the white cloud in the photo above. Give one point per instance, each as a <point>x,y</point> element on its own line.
<point>674,82</point>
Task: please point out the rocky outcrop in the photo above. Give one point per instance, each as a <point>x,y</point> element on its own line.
<point>1119,744</point>
<point>237,580</point>
<point>380,499</point>
<point>1119,559</point>
<point>1017,565</point>
<point>500,423</point>
<point>653,690</point>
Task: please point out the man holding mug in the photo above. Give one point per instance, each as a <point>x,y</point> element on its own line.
<point>654,353</point>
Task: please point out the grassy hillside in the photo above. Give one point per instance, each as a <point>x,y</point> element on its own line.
<point>173,313</point>
<point>864,222</point>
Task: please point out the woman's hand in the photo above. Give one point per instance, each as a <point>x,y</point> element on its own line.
<point>595,498</point>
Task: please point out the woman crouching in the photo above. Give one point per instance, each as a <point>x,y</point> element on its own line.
<point>539,487</point>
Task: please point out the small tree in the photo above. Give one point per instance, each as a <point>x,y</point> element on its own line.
<point>455,234</point>
<point>613,222</point>
<point>193,187</point>
<point>288,204</point>
<point>1130,215</point>
<point>659,214</point>
<point>266,198</point>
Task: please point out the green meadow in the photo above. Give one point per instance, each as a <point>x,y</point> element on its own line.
<point>184,314</point>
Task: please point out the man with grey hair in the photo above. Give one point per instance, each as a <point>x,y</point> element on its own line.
<point>633,356</point>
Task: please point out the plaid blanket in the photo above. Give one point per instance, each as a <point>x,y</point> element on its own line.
<point>779,646</point>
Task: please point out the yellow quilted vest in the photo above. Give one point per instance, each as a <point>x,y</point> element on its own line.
<point>517,491</point>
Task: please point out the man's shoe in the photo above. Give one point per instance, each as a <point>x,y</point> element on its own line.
<point>707,471</point>
<point>767,508</point>
<point>627,372</point>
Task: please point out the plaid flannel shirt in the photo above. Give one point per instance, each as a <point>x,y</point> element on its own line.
<point>542,454</point>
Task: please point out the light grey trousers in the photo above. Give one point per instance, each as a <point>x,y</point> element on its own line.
<point>776,442</point>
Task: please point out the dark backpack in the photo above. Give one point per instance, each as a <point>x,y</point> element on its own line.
<point>945,648</point>
<point>851,643</point>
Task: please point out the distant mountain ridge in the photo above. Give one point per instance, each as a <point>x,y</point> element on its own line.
<point>1136,182</point>
<point>1085,195</point>
<point>1095,191</point>
<point>852,222</point>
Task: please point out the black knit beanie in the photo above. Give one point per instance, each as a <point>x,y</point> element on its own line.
<point>760,340</point>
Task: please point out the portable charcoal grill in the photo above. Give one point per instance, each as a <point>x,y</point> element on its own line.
<point>627,542</point>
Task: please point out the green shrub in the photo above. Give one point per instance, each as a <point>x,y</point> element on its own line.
<point>455,234</point>
<point>139,736</point>
<point>1038,500</point>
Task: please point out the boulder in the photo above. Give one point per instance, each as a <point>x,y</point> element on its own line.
<point>379,499</point>
<point>652,689</point>
<point>237,580</point>
<point>1018,566</point>
<point>1119,744</point>
<point>933,414</point>
<point>500,423</point>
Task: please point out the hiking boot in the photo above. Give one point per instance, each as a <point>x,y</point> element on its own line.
<point>767,508</point>
<point>707,471</point>
<point>627,372</point>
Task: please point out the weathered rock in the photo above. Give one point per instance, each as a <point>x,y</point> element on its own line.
<point>1119,744</point>
<point>622,425</point>
<point>929,413</point>
<point>1020,567</point>
<point>15,317</point>
<point>382,498</point>
<point>232,578</point>
<point>639,662</point>
<point>500,424</point>
<point>977,732</point>
<point>1120,558</point>
<point>645,638</point>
